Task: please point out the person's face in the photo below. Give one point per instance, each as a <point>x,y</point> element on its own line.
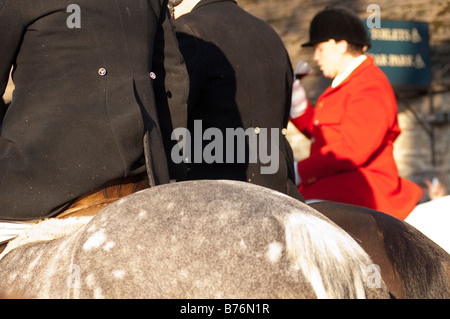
<point>328,56</point>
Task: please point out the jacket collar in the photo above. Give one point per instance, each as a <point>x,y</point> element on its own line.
<point>367,63</point>
<point>350,68</point>
<point>206,2</point>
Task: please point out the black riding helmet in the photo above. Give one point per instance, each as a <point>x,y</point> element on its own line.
<point>339,24</point>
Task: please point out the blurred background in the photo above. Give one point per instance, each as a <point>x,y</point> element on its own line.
<point>423,148</point>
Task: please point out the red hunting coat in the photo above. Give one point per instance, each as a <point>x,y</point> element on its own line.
<point>352,130</point>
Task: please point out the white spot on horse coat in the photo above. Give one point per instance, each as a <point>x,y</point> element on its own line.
<point>142,213</point>
<point>91,283</point>
<point>34,262</point>
<point>184,273</point>
<point>109,245</point>
<point>170,205</point>
<point>274,252</point>
<point>95,240</point>
<point>119,274</point>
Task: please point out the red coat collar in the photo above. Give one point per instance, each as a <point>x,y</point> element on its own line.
<point>368,63</point>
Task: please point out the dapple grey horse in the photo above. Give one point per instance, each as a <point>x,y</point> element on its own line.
<point>197,239</point>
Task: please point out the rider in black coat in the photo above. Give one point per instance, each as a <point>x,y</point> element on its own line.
<point>83,108</point>
<point>240,77</point>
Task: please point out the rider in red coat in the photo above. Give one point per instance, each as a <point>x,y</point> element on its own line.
<point>354,124</point>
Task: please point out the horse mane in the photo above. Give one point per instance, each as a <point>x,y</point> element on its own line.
<point>416,256</point>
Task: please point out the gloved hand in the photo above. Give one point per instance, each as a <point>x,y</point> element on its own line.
<point>299,100</point>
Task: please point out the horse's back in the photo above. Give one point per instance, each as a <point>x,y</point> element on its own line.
<point>199,239</point>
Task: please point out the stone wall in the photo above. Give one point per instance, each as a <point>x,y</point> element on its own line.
<point>413,149</point>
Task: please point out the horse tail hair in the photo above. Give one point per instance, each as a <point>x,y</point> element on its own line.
<point>336,266</point>
<point>45,230</point>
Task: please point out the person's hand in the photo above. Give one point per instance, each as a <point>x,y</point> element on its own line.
<point>299,100</point>
<point>435,188</point>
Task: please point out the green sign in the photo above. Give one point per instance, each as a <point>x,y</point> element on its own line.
<point>401,50</point>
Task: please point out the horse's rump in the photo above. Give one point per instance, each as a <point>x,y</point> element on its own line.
<point>198,239</point>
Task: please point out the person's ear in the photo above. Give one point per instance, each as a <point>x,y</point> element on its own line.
<point>342,46</point>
